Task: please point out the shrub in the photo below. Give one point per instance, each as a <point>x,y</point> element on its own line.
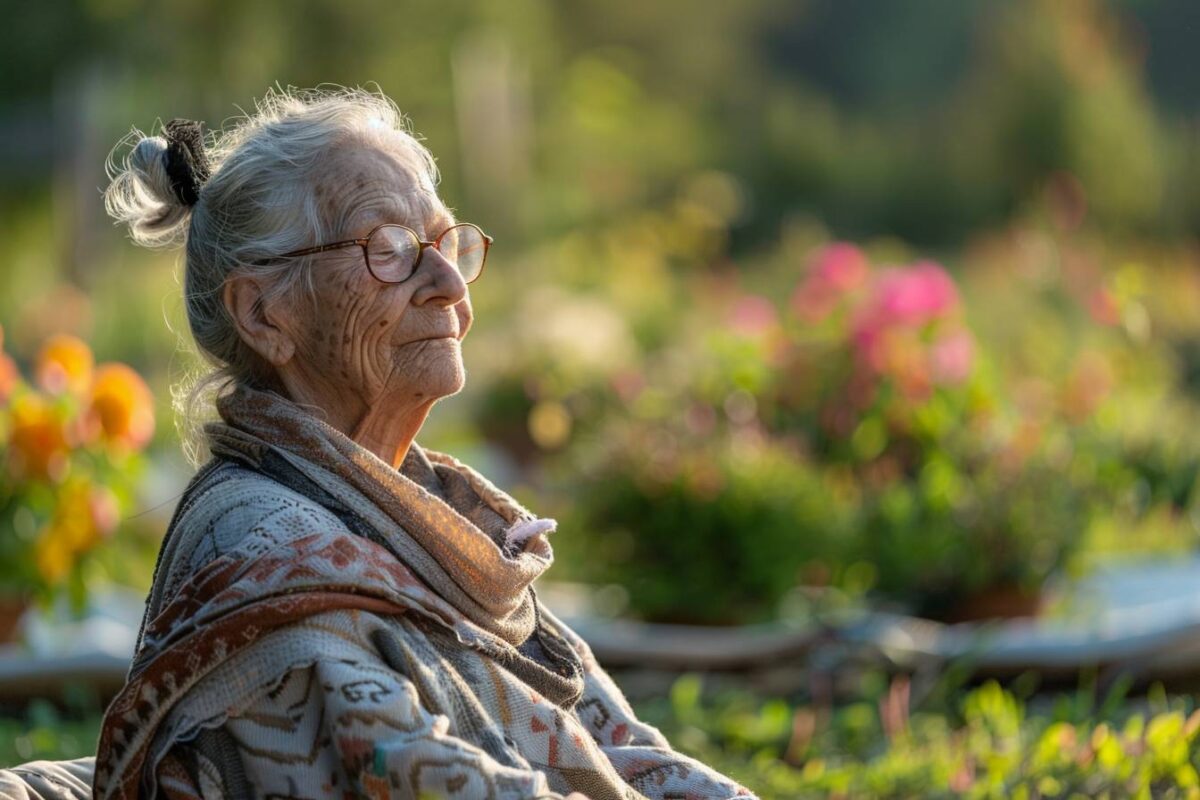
<point>880,435</point>
<point>711,535</point>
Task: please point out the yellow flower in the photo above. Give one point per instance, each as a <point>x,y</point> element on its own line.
<point>84,513</point>
<point>64,364</point>
<point>122,403</point>
<point>73,516</point>
<point>52,554</point>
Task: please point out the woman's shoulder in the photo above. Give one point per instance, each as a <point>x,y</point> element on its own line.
<point>230,509</point>
<point>232,500</point>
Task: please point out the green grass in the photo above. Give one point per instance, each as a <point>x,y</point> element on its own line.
<point>43,732</point>
<point>985,743</point>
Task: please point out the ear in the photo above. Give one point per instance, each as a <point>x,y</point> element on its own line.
<point>256,322</point>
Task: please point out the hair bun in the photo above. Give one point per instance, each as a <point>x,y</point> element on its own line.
<point>185,161</point>
<point>142,193</point>
<point>149,160</point>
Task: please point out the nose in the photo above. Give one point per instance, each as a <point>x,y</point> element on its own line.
<point>443,284</point>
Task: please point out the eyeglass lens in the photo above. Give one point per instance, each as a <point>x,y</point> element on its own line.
<point>393,251</point>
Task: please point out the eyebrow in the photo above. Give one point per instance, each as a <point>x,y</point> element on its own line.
<point>415,207</point>
<point>443,219</point>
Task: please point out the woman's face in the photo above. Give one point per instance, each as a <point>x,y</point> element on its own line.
<point>365,345</point>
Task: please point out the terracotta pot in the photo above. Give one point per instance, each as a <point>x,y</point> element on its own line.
<point>997,602</point>
<point>12,608</point>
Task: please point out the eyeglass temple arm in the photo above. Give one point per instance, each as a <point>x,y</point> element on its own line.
<point>327,247</point>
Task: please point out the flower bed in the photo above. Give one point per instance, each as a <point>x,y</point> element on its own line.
<point>849,428</point>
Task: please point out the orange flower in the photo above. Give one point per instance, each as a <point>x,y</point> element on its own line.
<point>124,406</point>
<point>64,364</point>
<point>9,377</point>
<point>37,440</point>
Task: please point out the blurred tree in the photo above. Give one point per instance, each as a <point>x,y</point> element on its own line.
<point>922,119</point>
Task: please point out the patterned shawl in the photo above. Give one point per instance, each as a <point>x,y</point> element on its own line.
<point>291,649</point>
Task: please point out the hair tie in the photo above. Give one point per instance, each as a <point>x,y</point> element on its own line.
<point>185,161</point>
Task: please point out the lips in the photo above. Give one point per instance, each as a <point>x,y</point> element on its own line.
<point>435,338</point>
<point>439,326</point>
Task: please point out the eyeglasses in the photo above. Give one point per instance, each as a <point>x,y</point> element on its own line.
<point>392,252</point>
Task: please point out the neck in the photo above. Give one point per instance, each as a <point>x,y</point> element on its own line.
<point>389,432</point>
<point>385,428</point>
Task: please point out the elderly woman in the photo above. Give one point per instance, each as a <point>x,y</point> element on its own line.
<point>337,611</point>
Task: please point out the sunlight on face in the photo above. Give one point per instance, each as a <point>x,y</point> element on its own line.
<point>369,343</point>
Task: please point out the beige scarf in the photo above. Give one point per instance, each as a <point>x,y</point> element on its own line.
<point>471,543</point>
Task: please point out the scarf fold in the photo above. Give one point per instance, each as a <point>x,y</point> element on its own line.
<point>470,542</point>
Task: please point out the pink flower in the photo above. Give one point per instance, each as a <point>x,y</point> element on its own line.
<point>907,330</point>
<point>951,358</point>
<point>105,510</point>
<point>914,296</point>
<point>840,266</point>
<point>833,272</point>
<point>752,315</point>
<point>901,298</point>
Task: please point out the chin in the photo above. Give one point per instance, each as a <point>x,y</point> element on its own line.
<point>446,379</point>
<point>427,370</point>
<point>455,383</point>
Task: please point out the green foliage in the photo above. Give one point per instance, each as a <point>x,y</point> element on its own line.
<point>867,422</point>
<point>733,524</point>
<point>991,746</point>
<point>44,731</point>
<point>995,530</point>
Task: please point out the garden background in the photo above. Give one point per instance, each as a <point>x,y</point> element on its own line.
<point>795,306</point>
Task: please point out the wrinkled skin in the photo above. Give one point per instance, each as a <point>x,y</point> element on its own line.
<point>373,357</point>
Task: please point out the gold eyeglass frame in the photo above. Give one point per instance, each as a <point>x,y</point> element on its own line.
<point>436,244</point>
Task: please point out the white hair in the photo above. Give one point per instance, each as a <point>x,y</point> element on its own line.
<point>258,203</point>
